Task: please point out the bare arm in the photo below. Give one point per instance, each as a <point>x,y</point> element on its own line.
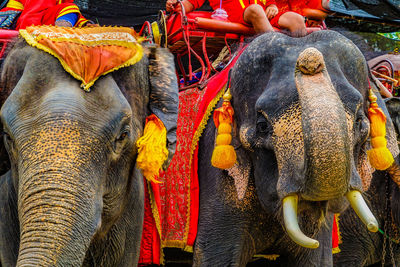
<point>325,4</point>
<point>173,5</point>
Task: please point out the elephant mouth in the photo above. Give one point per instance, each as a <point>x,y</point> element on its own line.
<point>290,213</point>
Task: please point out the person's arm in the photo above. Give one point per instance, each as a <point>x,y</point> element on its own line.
<point>325,4</point>
<point>189,6</point>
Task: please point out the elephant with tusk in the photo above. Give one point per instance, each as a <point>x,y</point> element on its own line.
<point>300,134</point>
<point>359,247</point>
<point>73,195</point>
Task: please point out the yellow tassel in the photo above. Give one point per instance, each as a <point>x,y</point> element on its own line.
<point>379,156</point>
<point>224,155</point>
<point>152,148</point>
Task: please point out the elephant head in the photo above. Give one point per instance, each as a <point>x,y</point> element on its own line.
<point>78,193</point>
<point>301,114</point>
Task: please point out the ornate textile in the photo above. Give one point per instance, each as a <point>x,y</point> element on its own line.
<point>336,238</point>
<point>169,211</point>
<point>87,53</point>
<point>175,201</point>
<point>8,18</point>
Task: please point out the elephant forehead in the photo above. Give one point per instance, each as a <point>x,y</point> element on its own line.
<point>64,140</point>
<point>288,136</point>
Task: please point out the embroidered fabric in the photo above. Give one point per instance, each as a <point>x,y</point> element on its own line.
<point>8,19</point>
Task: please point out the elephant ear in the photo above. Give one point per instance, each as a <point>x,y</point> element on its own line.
<point>164,98</point>
<point>11,72</point>
<point>393,107</point>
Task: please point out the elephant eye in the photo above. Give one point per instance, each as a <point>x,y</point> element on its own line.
<point>262,125</point>
<point>7,137</point>
<point>123,135</point>
<point>361,128</point>
<point>8,141</point>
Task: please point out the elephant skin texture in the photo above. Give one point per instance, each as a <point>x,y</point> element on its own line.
<point>73,195</point>
<point>300,129</point>
<point>360,247</point>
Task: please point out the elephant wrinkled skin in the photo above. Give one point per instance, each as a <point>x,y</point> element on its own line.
<point>300,133</point>
<point>359,247</point>
<point>73,195</point>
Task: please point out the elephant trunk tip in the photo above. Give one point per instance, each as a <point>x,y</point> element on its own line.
<point>310,61</point>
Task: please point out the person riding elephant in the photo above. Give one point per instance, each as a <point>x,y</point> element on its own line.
<point>360,248</point>
<point>73,195</point>
<point>62,13</point>
<point>260,15</point>
<point>300,133</point>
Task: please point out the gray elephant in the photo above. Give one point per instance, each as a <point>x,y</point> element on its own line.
<point>73,195</point>
<point>300,134</point>
<point>359,247</point>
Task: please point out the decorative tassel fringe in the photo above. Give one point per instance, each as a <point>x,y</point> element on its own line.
<point>336,235</point>
<point>224,155</point>
<point>379,156</point>
<point>152,148</point>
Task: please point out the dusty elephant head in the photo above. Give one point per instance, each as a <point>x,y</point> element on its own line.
<point>78,194</point>
<point>302,118</point>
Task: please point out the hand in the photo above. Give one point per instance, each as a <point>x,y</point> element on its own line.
<point>313,23</point>
<point>63,23</point>
<point>91,24</point>
<point>271,11</point>
<point>172,5</point>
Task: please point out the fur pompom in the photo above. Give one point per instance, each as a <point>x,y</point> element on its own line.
<point>152,148</point>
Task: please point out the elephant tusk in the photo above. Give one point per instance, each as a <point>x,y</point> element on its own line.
<point>363,212</point>
<point>291,224</point>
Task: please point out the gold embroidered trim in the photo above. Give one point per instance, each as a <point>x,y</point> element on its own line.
<point>133,60</point>
<point>156,217</point>
<point>196,138</point>
<point>337,249</point>
<point>154,209</point>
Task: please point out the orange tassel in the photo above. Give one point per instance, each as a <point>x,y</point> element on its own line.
<point>379,156</point>
<point>224,155</point>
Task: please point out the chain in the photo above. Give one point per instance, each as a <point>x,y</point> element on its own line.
<point>388,195</point>
<point>384,239</point>
<point>386,219</point>
<point>386,227</point>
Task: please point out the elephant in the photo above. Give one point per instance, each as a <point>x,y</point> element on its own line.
<point>73,195</point>
<point>360,248</point>
<point>300,133</point>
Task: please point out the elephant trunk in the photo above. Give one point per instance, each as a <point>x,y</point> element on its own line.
<point>57,221</point>
<point>59,200</point>
<point>324,123</point>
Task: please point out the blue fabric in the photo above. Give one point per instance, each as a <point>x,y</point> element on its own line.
<point>71,17</point>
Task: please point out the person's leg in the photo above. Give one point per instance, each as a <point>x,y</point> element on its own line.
<point>293,22</point>
<point>255,15</point>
